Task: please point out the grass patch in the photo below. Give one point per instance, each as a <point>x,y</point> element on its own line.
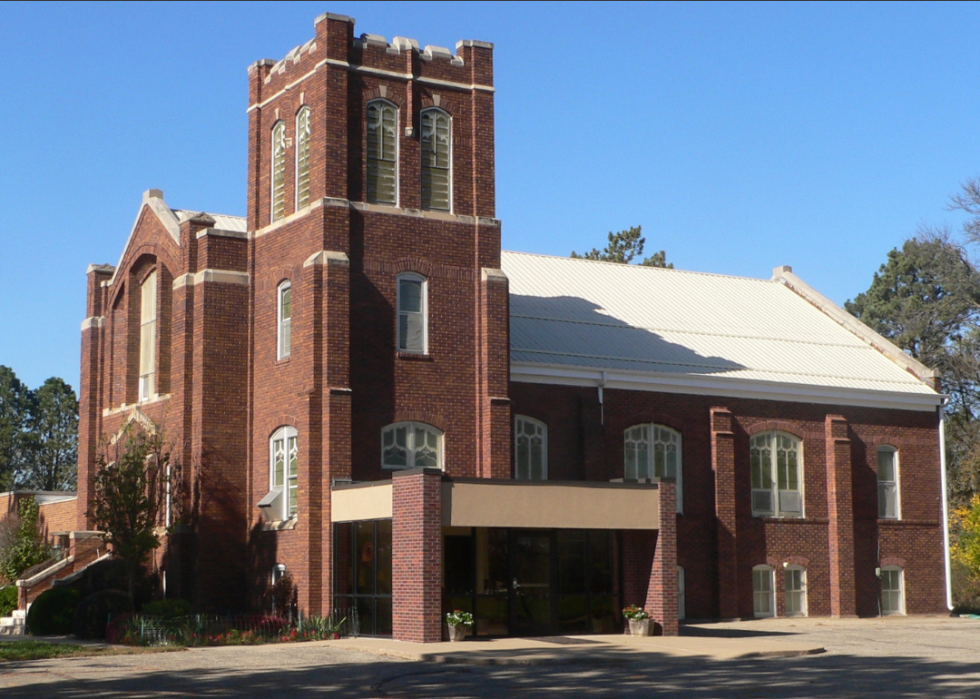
<point>40,650</point>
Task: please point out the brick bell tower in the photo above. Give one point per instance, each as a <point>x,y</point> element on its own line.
<point>369,163</point>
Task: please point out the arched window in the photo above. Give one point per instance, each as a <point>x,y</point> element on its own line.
<point>413,331</point>
<point>776,462</point>
<point>284,470</point>
<point>530,449</point>
<point>795,580</point>
<point>654,451</point>
<point>411,445</point>
<point>889,503</point>
<point>382,153</point>
<point>278,171</point>
<point>303,158</point>
<point>284,305</point>
<point>148,337</point>
<point>763,591</point>
<point>437,144</point>
<point>892,590</point>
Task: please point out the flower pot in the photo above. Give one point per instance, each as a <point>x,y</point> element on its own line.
<point>336,635</point>
<point>639,627</point>
<point>457,632</point>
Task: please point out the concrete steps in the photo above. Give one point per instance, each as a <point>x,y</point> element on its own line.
<point>13,625</point>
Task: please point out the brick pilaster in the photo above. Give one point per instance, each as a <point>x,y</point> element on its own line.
<point>840,511</point>
<point>723,465</point>
<point>662,594</point>
<point>89,389</point>
<point>417,555</point>
<point>494,413</point>
<point>330,279</point>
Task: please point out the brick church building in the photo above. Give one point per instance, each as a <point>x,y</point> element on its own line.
<point>366,393</point>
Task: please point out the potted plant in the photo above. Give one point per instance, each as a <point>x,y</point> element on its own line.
<point>639,620</point>
<point>459,623</point>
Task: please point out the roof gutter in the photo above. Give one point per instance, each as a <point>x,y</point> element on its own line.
<point>568,375</point>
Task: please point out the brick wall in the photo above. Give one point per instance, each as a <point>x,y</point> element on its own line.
<point>719,541</point>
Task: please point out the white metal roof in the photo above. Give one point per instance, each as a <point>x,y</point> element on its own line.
<point>719,334</point>
<point>222,222</point>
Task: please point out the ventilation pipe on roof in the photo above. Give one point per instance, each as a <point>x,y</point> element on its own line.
<point>942,471</point>
<point>602,407</point>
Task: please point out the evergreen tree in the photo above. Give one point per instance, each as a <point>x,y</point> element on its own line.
<point>623,247</point>
<point>13,422</point>
<point>53,437</point>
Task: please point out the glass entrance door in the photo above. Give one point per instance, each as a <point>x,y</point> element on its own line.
<point>531,583</point>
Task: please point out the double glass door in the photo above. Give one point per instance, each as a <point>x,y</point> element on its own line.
<point>533,582</point>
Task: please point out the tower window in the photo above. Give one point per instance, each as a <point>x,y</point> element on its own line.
<point>278,171</point>
<point>412,312</point>
<point>436,160</point>
<point>303,158</point>
<point>285,332</point>
<point>382,153</point>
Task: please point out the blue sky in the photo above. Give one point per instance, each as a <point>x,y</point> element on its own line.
<point>740,136</point>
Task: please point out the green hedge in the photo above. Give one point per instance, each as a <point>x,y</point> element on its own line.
<point>53,612</point>
<point>92,614</point>
<point>8,600</point>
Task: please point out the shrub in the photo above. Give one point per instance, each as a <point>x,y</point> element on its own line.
<point>167,608</point>
<point>52,612</point>
<point>110,574</point>
<point>92,614</point>
<point>8,600</point>
<point>24,546</point>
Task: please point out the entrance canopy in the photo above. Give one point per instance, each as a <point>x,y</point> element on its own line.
<point>479,502</point>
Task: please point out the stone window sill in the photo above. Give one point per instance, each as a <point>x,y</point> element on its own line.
<point>414,356</point>
<point>280,526</point>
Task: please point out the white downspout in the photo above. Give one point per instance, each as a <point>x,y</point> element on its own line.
<point>942,471</point>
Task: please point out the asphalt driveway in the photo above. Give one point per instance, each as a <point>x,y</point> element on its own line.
<point>896,657</point>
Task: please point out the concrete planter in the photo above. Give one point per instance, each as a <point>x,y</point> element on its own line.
<point>639,627</point>
<point>458,632</point>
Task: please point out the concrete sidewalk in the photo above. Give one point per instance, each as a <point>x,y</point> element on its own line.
<point>580,649</point>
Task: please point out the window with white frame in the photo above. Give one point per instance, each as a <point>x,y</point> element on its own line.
<point>888,500</point>
<point>530,449</point>
<point>382,153</point>
<point>436,141</point>
<point>763,591</point>
<point>411,445</point>
<point>892,590</point>
<point>284,469</point>
<point>775,460</point>
<point>148,336</point>
<point>284,304</point>
<point>794,578</point>
<point>412,312</point>
<point>681,594</point>
<point>278,171</point>
<point>303,157</point>
<point>654,451</point>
